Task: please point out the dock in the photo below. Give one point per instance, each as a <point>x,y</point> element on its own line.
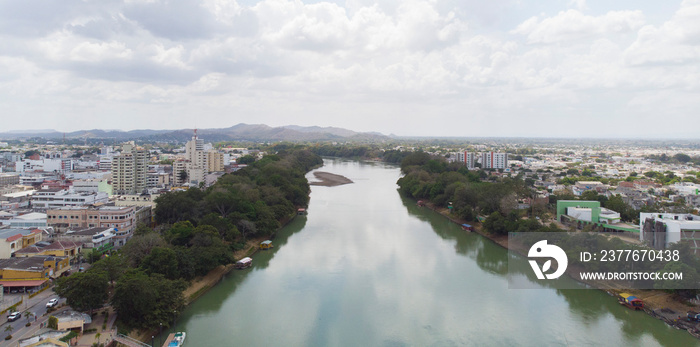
<point>170,338</point>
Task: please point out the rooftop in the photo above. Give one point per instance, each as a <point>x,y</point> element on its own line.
<point>35,263</point>
<point>8,233</point>
<point>87,232</point>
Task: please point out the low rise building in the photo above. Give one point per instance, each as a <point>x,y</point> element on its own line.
<point>123,219</point>
<point>12,240</point>
<point>100,239</point>
<point>32,220</point>
<point>7,179</point>
<point>659,230</point>
<point>72,320</point>
<point>31,272</point>
<point>46,199</point>
<point>57,248</point>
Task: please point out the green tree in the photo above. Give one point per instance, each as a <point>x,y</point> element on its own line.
<point>246,159</point>
<point>683,158</point>
<point>182,176</point>
<point>112,266</point>
<point>180,233</point>
<point>53,323</point>
<point>163,261</point>
<point>84,291</point>
<point>146,301</point>
<point>142,229</point>
<point>496,224</point>
<point>140,247</point>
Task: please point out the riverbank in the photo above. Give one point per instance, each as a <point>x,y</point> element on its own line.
<point>328,179</point>
<point>658,304</point>
<point>200,285</point>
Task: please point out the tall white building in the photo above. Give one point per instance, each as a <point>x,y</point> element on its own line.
<point>493,160</point>
<point>129,170</point>
<point>468,158</point>
<point>197,157</point>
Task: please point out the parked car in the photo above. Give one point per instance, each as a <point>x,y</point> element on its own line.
<point>53,302</point>
<point>14,316</point>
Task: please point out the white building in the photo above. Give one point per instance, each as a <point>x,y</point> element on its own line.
<point>33,220</point>
<point>56,197</point>
<point>197,159</point>
<point>47,165</point>
<point>493,160</point>
<point>663,229</point>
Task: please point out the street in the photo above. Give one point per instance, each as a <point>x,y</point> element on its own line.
<point>35,305</point>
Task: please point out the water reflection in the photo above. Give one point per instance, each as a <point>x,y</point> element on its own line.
<point>366,268</point>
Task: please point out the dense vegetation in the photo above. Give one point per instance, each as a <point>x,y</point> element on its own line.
<point>198,231</point>
<point>432,178</point>
<point>360,152</point>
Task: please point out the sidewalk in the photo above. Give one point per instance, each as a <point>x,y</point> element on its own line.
<point>105,336</point>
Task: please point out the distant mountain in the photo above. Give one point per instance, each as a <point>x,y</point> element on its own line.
<point>239,132</point>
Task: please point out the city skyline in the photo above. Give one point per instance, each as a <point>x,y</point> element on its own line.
<point>590,69</point>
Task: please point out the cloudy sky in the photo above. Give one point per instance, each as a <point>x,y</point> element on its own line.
<point>547,68</point>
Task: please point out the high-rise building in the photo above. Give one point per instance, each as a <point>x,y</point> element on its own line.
<point>197,159</point>
<point>469,159</point>
<point>215,161</point>
<point>493,160</point>
<point>129,170</point>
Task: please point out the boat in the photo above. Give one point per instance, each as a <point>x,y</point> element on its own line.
<point>267,244</point>
<point>630,301</point>
<point>244,263</point>
<point>178,339</point>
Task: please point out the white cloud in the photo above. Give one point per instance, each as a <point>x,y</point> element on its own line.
<point>676,41</point>
<point>574,25</point>
<point>431,59</point>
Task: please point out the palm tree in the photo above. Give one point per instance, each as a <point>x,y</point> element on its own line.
<point>27,314</point>
<point>9,329</point>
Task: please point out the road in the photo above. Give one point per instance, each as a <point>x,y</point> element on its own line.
<point>35,305</point>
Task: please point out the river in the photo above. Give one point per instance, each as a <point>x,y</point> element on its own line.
<point>368,268</point>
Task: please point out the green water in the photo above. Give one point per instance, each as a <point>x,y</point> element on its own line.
<point>368,268</point>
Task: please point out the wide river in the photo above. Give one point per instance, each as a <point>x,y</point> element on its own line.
<point>369,268</point>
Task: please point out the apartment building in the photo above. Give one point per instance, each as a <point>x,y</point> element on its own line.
<point>468,158</point>
<point>215,161</point>
<point>494,160</point>
<point>129,170</point>
<point>196,159</point>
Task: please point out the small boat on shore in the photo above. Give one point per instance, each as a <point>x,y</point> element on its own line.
<point>244,263</point>
<point>267,244</point>
<point>178,339</point>
<point>630,301</point>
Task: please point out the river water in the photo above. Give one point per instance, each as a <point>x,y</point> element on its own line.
<point>368,268</point>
